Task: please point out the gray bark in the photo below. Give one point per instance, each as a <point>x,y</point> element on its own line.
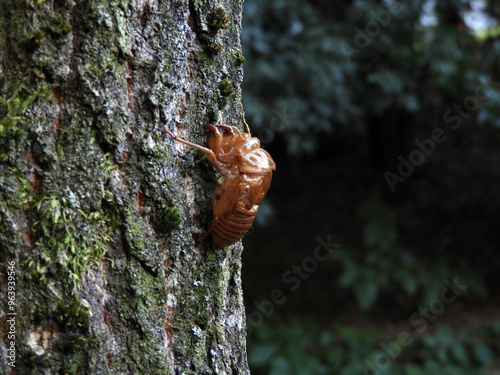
<point>98,206</point>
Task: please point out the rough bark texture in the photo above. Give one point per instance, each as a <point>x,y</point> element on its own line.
<point>98,206</point>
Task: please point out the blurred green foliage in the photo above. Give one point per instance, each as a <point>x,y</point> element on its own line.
<point>345,88</point>
<point>301,348</point>
<point>384,265</point>
<point>309,59</point>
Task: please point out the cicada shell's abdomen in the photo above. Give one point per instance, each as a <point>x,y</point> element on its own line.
<point>228,230</point>
<point>236,206</point>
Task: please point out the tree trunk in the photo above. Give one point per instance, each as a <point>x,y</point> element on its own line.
<point>99,272</point>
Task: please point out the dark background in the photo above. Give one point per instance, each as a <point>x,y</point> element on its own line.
<point>341,94</point>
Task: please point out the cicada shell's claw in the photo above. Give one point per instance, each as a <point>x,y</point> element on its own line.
<point>210,129</point>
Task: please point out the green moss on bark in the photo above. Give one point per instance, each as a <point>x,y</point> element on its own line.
<point>98,207</point>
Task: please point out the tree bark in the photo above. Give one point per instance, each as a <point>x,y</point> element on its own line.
<point>99,272</point>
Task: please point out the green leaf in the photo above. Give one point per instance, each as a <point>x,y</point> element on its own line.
<point>409,282</point>
<point>388,81</point>
<point>459,353</point>
<point>262,354</point>
<point>442,355</point>
<point>280,366</point>
<point>380,229</point>
<point>445,336</point>
<point>336,356</point>
<point>409,102</point>
<point>432,367</point>
<point>365,293</point>
<point>413,370</point>
<point>483,353</point>
<point>350,273</point>
<point>429,342</point>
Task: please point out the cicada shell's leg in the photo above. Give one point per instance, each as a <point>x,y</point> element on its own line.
<point>203,237</point>
<point>211,156</point>
<point>211,128</point>
<point>214,141</point>
<point>215,128</point>
<point>227,128</point>
<point>247,127</point>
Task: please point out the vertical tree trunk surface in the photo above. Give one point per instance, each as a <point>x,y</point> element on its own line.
<point>98,206</point>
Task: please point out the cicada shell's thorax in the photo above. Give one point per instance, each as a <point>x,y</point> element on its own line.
<point>246,171</point>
